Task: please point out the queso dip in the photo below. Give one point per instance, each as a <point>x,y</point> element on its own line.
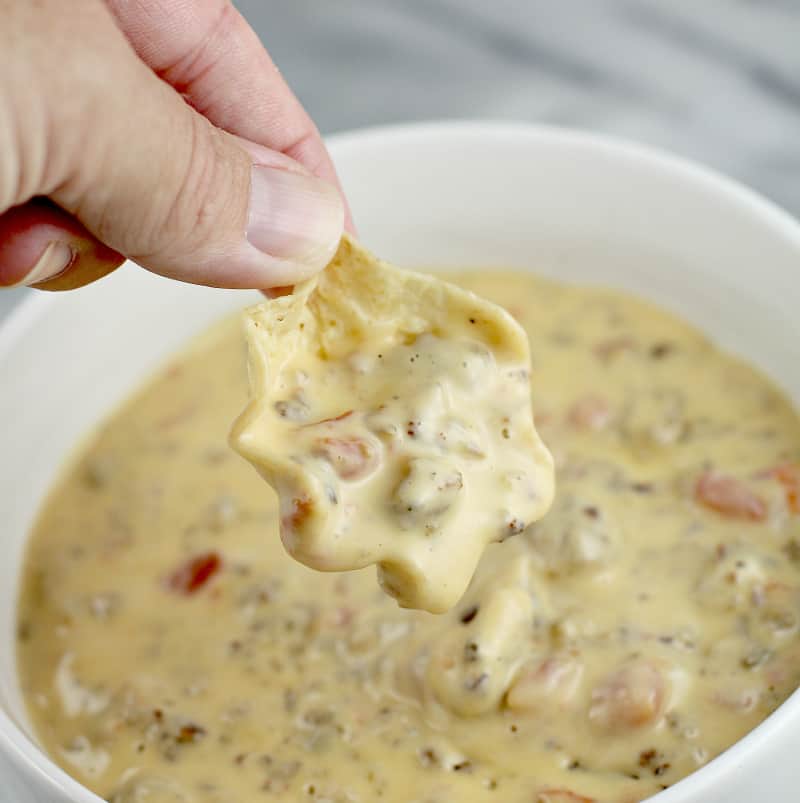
<point>171,652</point>
<point>391,411</point>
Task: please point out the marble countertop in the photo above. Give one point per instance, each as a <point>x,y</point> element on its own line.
<point>717,81</point>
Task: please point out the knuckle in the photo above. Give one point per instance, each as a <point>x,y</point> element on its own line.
<point>200,208</point>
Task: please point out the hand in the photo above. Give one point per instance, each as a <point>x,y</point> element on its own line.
<point>161,131</point>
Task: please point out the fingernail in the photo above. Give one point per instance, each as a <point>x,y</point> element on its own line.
<point>55,259</point>
<point>294,217</point>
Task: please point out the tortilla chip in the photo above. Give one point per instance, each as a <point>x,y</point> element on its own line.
<point>391,412</point>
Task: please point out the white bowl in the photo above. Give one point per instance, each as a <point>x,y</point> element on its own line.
<point>570,205</point>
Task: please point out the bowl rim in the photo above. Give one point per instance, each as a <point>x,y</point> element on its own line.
<point>33,762</point>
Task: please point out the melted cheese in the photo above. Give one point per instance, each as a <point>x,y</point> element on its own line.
<point>392,413</point>
<point>171,651</point>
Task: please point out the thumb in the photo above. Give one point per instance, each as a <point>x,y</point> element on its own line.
<point>157,182</point>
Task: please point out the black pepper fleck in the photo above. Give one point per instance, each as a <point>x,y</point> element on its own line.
<point>660,350</point>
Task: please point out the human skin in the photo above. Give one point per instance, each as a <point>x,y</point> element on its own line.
<point>162,132</point>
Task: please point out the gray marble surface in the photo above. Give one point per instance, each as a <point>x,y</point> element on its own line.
<point>715,80</point>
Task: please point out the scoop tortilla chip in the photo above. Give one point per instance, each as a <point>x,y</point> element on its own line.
<point>391,412</point>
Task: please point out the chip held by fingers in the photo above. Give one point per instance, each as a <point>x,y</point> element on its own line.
<point>391,411</point>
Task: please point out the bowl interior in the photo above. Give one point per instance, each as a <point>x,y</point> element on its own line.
<point>563,204</point>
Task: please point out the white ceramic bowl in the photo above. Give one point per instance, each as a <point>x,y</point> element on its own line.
<point>565,204</point>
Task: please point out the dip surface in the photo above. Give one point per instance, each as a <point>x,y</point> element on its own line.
<point>170,651</point>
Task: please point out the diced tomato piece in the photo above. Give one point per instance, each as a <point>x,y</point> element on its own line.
<point>608,349</point>
<point>786,472</point>
<point>590,412</point>
<point>729,496</point>
<point>562,796</point>
<point>631,697</point>
<point>300,510</point>
<point>788,475</point>
<point>352,458</point>
<point>332,420</point>
<point>195,573</point>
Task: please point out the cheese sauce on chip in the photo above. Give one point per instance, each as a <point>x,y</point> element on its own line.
<point>171,651</point>
<point>392,413</point>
